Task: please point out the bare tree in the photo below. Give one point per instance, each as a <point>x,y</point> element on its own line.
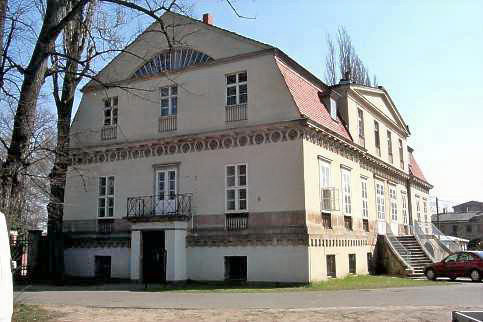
<point>345,60</point>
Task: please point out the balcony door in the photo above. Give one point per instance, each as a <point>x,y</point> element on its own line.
<point>166,191</point>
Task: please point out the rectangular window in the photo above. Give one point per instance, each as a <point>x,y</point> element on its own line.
<point>365,224</point>
<point>425,210</point>
<point>236,188</point>
<point>369,263</point>
<point>110,110</point>
<point>331,269</point>
<point>333,108</point>
<point>348,222</point>
<point>236,268</point>
<point>346,190</point>
<point>380,203</point>
<point>404,208</point>
<point>377,138</point>
<point>365,203</point>
<point>327,221</point>
<point>418,209</point>
<point>169,100</point>
<point>393,201</point>
<point>106,197</point>
<point>361,123</point>
<point>469,228</point>
<point>102,266</point>
<point>327,197</point>
<point>401,154</point>
<point>352,263</point>
<point>236,89</point>
<point>389,147</point>
<point>455,230</point>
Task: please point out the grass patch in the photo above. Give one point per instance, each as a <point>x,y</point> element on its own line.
<point>347,283</point>
<point>27,313</point>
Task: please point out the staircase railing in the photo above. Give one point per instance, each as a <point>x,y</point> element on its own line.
<point>423,236</point>
<point>450,244</point>
<point>397,246</point>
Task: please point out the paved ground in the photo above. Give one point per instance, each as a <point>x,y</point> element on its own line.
<point>455,294</point>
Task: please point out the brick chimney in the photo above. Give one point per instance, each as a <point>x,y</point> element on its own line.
<point>208,19</point>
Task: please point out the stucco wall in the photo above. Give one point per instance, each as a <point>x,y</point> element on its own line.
<point>318,262</point>
<point>201,103</point>
<point>264,264</point>
<point>80,262</point>
<point>275,180</point>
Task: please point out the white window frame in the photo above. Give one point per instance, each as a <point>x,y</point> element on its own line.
<point>393,202</point>
<point>404,207</point>
<point>345,176</point>
<point>389,146</point>
<point>111,116</point>
<point>418,209</point>
<point>333,108</point>
<point>172,95</point>
<point>237,86</point>
<point>425,209</point>
<point>237,187</point>
<point>380,200</point>
<point>360,122</point>
<point>364,196</point>
<point>324,174</point>
<point>106,196</point>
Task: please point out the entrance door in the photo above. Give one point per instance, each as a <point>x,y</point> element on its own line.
<point>166,189</point>
<point>154,257</point>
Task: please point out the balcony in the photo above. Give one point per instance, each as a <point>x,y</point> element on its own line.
<point>236,113</point>
<point>236,222</point>
<point>109,132</point>
<point>178,205</point>
<point>168,123</point>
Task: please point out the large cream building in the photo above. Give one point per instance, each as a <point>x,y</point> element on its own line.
<point>223,158</point>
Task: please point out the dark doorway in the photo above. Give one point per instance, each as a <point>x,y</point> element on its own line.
<point>236,268</point>
<point>103,267</point>
<point>154,257</point>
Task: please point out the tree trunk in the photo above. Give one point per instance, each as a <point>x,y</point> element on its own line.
<point>65,103</point>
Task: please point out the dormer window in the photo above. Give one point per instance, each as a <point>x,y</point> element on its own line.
<point>333,109</point>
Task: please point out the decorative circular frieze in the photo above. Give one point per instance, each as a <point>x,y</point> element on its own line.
<point>259,138</point>
<point>172,148</point>
<point>213,144</point>
<point>159,150</point>
<point>112,156</point>
<point>185,147</point>
<point>292,134</point>
<point>199,146</point>
<point>243,140</point>
<point>228,142</point>
<point>276,136</point>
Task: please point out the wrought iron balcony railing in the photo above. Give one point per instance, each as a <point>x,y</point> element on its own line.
<point>159,205</point>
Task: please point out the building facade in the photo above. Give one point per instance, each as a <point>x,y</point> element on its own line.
<point>222,158</point>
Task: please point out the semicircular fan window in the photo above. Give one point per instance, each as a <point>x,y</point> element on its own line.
<point>171,60</point>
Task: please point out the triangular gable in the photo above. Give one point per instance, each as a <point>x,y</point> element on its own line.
<point>380,100</point>
<point>306,96</point>
<point>215,42</point>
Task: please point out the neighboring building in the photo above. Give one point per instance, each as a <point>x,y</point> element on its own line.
<point>469,206</point>
<point>468,225</point>
<point>240,164</point>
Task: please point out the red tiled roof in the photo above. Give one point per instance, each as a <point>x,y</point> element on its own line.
<point>306,97</point>
<point>414,168</point>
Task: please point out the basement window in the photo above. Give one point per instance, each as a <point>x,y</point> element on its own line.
<point>331,269</point>
<point>352,263</point>
<point>102,267</point>
<point>236,268</point>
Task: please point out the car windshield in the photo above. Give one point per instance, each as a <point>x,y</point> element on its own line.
<point>479,254</point>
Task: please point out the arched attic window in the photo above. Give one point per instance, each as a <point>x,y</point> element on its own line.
<point>172,60</point>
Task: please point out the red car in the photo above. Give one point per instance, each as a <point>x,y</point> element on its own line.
<point>460,264</point>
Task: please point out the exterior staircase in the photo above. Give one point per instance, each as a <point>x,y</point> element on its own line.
<point>417,257</point>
